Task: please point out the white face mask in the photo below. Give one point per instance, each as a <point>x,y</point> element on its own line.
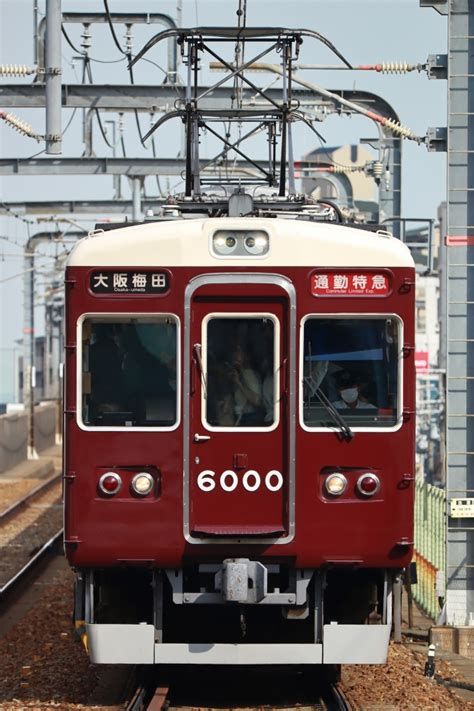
<point>350,395</point>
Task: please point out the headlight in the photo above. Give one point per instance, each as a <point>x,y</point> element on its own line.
<point>143,483</point>
<point>110,483</point>
<point>237,243</point>
<point>256,243</point>
<point>224,243</point>
<point>336,484</point>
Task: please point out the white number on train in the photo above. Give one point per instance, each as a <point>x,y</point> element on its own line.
<point>229,480</point>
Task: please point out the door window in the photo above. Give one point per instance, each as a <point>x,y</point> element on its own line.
<point>129,374</point>
<point>352,365</point>
<point>241,359</point>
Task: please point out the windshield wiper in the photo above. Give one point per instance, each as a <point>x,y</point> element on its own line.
<point>347,433</point>
<point>197,353</point>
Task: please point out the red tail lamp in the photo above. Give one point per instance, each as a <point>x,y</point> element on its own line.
<point>110,483</point>
<point>368,484</point>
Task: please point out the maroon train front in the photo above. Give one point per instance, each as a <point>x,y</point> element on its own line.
<point>239,458</point>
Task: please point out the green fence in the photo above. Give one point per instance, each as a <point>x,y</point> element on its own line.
<point>430,545</point>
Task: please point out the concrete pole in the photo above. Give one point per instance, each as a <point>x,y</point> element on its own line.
<point>29,330</point>
<point>53,76</point>
<point>35,32</point>
<point>48,350</point>
<point>137,200</point>
<point>29,348</point>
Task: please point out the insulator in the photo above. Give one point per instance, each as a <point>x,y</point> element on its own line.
<point>86,38</point>
<point>19,125</point>
<point>377,169</point>
<point>399,129</point>
<point>346,168</point>
<point>395,67</point>
<point>16,70</point>
<point>129,39</point>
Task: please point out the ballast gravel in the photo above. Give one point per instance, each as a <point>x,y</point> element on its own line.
<point>43,666</point>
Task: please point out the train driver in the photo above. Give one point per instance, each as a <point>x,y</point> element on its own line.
<point>349,387</point>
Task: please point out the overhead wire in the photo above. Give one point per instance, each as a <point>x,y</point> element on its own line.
<point>129,57</point>
<point>111,25</point>
<point>81,52</point>
<point>12,213</point>
<point>88,69</point>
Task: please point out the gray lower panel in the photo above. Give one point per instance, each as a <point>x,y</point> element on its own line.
<point>238,654</point>
<point>121,644</point>
<point>355,644</point>
<point>135,644</point>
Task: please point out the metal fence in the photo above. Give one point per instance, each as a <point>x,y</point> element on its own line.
<point>430,546</point>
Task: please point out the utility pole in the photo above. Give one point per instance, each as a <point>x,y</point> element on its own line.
<point>53,77</point>
<point>29,346</point>
<point>29,330</point>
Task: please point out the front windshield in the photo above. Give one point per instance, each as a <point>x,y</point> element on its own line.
<point>354,363</point>
<point>129,376</point>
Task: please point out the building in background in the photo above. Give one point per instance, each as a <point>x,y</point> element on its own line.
<point>339,173</point>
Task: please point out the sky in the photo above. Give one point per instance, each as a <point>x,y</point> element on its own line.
<point>365,31</point>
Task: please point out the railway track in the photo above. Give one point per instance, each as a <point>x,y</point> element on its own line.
<point>48,548</point>
<point>205,689</point>
<point>7,513</point>
<point>30,530</point>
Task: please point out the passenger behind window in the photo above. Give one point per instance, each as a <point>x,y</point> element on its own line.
<point>219,396</point>
<point>268,391</point>
<point>349,386</point>
<point>105,363</point>
<point>247,384</point>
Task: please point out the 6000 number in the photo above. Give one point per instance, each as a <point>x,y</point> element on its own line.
<point>207,480</point>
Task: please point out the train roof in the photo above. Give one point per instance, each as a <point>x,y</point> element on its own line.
<point>186,242</point>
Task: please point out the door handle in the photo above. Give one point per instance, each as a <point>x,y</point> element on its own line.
<point>200,438</point>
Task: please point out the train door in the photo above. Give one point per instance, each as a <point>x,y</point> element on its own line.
<point>239,439</point>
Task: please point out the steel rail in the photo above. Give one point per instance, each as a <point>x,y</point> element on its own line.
<point>41,488</point>
<point>151,693</point>
<point>46,549</point>
<point>336,699</point>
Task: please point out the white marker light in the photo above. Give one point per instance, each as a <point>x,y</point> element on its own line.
<point>143,483</point>
<point>336,484</point>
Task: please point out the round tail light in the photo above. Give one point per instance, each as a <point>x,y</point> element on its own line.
<point>368,484</point>
<point>110,483</point>
<point>336,484</point>
<point>143,483</point>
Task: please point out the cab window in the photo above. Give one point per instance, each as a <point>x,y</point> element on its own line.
<point>129,371</point>
<point>241,371</point>
<point>351,365</point>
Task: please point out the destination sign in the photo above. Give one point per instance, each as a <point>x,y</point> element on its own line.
<point>350,283</point>
<point>136,282</point>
